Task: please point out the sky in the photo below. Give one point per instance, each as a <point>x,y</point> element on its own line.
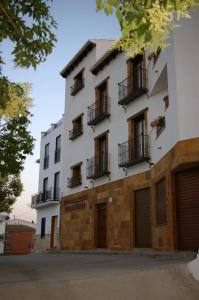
<point>77,22</point>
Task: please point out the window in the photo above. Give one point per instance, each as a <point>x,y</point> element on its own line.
<point>166,102</point>
<point>99,164</point>
<point>46,156</point>
<point>46,191</point>
<point>99,110</point>
<point>77,128</point>
<point>43,227</point>
<point>161,202</point>
<point>58,149</point>
<point>136,149</point>
<point>57,186</point>
<point>76,178</point>
<point>135,84</point>
<point>78,83</point>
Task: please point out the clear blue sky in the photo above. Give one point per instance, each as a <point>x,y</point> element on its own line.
<point>77,22</point>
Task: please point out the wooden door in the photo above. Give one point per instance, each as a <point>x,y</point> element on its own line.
<point>187,209</point>
<point>101,225</point>
<point>53,241</point>
<point>142,218</point>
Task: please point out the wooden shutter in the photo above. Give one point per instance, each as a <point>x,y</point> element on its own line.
<point>161,202</point>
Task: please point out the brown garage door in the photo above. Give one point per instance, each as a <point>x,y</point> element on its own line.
<point>142,218</point>
<point>187,209</point>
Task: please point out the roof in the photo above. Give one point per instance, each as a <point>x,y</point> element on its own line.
<point>104,60</point>
<point>19,228</point>
<point>87,47</point>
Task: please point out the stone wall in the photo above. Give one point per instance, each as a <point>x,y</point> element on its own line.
<point>78,211</point>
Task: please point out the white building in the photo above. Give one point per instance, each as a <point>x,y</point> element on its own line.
<point>3,218</point>
<point>131,155</point>
<point>47,200</point>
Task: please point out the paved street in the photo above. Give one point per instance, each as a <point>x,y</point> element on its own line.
<point>95,276</point>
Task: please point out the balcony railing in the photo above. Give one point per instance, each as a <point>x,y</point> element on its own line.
<point>76,87</point>
<point>75,132</point>
<point>57,155</point>
<point>98,111</point>
<point>46,162</point>
<point>132,87</point>
<point>133,151</point>
<point>98,166</point>
<point>46,197</point>
<point>74,181</point>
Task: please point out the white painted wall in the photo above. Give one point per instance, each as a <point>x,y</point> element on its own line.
<point>186,46</point>
<point>47,212</point>
<point>53,209</point>
<point>180,62</point>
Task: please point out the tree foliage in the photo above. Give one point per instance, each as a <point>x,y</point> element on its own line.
<point>16,143</point>
<point>146,24</point>
<point>29,25</point>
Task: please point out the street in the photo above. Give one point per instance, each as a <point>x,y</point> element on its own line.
<point>95,276</point>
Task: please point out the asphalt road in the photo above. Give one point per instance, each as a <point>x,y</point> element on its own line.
<point>95,276</point>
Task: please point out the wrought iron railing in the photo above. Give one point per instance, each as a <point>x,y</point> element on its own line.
<point>46,162</point>
<point>98,165</point>
<point>75,132</point>
<point>74,181</point>
<point>132,87</point>
<point>52,194</point>
<point>57,155</point>
<point>98,111</point>
<point>133,151</point>
<point>76,87</point>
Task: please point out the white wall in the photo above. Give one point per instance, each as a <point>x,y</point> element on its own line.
<point>175,74</point>
<point>186,47</point>
<point>53,167</point>
<point>47,212</point>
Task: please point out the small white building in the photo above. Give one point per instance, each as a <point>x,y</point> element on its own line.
<point>47,200</point>
<point>3,218</point>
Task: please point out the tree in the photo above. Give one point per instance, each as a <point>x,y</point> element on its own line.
<point>146,24</point>
<point>28,24</point>
<point>15,144</point>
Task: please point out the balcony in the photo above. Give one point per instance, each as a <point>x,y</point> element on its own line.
<point>46,162</point>
<point>74,181</point>
<point>98,166</point>
<point>133,151</point>
<point>76,87</point>
<point>46,198</point>
<point>132,87</point>
<point>57,155</point>
<point>75,132</point>
<point>98,111</point>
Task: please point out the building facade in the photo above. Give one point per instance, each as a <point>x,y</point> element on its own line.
<point>130,169</point>
<point>47,200</point>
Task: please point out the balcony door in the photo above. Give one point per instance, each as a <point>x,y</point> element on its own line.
<point>139,130</point>
<point>101,95</point>
<point>45,189</point>
<point>102,153</point>
<point>57,186</point>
